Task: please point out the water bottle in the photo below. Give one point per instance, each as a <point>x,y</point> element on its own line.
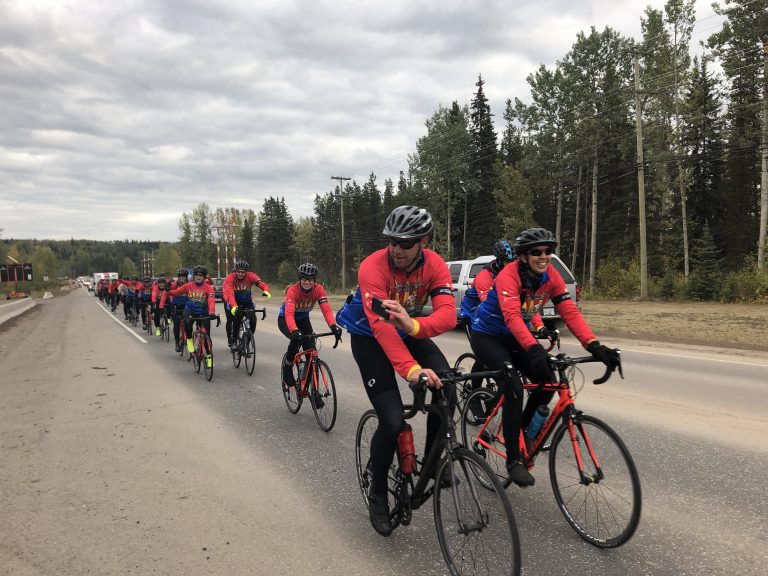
<point>407,451</point>
<point>539,417</point>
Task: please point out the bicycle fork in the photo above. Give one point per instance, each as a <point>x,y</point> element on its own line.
<point>585,478</point>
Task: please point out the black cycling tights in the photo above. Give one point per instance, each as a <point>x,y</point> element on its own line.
<point>493,351</point>
<point>381,386</point>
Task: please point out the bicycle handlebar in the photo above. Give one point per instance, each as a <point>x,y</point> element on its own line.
<point>254,310</point>
<point>316,335</point>
<point>207,317</point>
<point>561,362</point>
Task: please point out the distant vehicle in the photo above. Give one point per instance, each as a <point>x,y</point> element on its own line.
<point>218,291</point>
<point>463,273</point>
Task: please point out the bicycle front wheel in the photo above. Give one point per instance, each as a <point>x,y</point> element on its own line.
<point>482,432</point>
<point>323,396</point>
<point>290,394</point>
<point>602,504</point>
<point>208,357</point>
<point>475,524</point>
<point>197,354</point>
<point>236,354</point>
<point>249,349</point>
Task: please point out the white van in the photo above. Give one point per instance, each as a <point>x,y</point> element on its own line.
<point>463,273</point>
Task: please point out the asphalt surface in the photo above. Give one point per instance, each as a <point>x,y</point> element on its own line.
<point>116,457</point>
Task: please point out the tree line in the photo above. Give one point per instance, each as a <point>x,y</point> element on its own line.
<point>569,160</point>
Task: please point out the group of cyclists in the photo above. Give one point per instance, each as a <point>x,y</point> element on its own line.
<point>389,338</point>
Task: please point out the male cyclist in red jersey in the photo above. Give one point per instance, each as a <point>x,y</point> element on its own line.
<point>176,304</point>
<point>200,300</point>
<point>501,332</point>
<point>402,275</point>
<point>237,295</point>
<point>293,318</point>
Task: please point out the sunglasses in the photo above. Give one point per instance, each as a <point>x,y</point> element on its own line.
<point>404,244</point>
<point>540,251</point>
<point>199,274</point>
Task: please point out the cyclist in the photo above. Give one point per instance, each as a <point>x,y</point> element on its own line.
<point>144,295</point>
<point>501,332</point>
<point>129,301</point>
<point>200,299</point>
<point>236,291</point>
<point>158,287</point>
<point>176,304</point>
<point>400,277</point>
<point>112,294</point>
<point>293,318</point>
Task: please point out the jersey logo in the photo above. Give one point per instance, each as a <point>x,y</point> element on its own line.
<point>371,383</point>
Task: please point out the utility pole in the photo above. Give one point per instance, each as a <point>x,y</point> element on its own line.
<point>343,246</point>
<point>640,181</point>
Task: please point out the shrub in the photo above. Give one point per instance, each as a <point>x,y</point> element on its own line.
<point>617,280</point>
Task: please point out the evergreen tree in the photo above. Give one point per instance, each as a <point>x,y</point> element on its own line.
<point>274,237</point>
<point>483,169</point>
<point>246,250</point>
<point>704,281</point>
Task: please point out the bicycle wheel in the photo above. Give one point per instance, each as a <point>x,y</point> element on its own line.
<point>475,526</point>
<point>603,506</point>
<point>165,330</point>
<point>249,348</point>
<point>196,355</point>
<point>292,399</point>
<point>323,395</point>
<point>236,355</point>
<point>207,358</point>
<point>487,441</point>
<point>367,425</point>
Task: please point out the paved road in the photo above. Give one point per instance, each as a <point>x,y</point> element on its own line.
<point>116,458</point>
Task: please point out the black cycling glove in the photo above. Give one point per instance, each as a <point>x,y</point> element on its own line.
<point>606,355</point>
<point>336,329</point>
<point>538,361</point>
<point>295,336</point>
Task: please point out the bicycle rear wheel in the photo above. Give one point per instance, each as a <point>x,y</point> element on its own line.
<point>249,349</point>
<point>208,357</point>
<point>487,441</point>
<point>290,395</point>
<point>323,395</point>
<point>604,505</point>
<point>475,524</point>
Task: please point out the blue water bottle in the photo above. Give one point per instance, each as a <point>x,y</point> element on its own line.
<point>539,417</point>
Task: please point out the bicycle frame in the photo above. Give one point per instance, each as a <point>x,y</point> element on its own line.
<point>311,355</point>
<point>564,410</point>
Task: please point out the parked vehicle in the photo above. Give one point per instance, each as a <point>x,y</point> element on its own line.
<point>218,291</point>
<point>463,272</point>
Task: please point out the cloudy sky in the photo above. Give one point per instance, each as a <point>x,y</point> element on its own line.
<point>118,116</point>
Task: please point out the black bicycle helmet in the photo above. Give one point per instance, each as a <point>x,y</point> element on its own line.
<point>147,280</point>
<point>503,250</point>
<point>200,269</point>
<point>241,265</point>
<point>182,272</point>
<point>308,270</point>
<point>534,237</point>
<point>406,222</point>
<point>162,279</point>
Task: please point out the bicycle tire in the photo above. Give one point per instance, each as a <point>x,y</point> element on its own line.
<point>322,384</point>
<point>207,352</point>
<point>236,355</point>
<point>471,427</point>
<point>476,528</point>
<point>166,330</point>
<point>196,354</point>
<point>605,512</point>
<point>249,347</point>
<point>290,394</point>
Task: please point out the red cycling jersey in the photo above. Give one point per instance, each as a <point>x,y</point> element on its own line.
<point>299,302</point>
<point>519,301</point>
<point>235,290</point>
<point>378,277</point>
<point>198,295</point>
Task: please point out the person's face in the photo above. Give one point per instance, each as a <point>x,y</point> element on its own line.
<point>538,258</point>
<point>240,274</point>
<point>182,278</point>
<point>307,283</point>
<point>199,278</point>
<point>405,252</point>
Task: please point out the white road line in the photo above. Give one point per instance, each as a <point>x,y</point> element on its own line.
<point>131,332</point>
<point>709,358</point>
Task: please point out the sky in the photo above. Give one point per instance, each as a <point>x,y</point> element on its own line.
<point>117,117</point>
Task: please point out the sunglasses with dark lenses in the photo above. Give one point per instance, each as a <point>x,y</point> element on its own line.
<point>540,251</point>
<point>404,244</point>
<point>199,274</point>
